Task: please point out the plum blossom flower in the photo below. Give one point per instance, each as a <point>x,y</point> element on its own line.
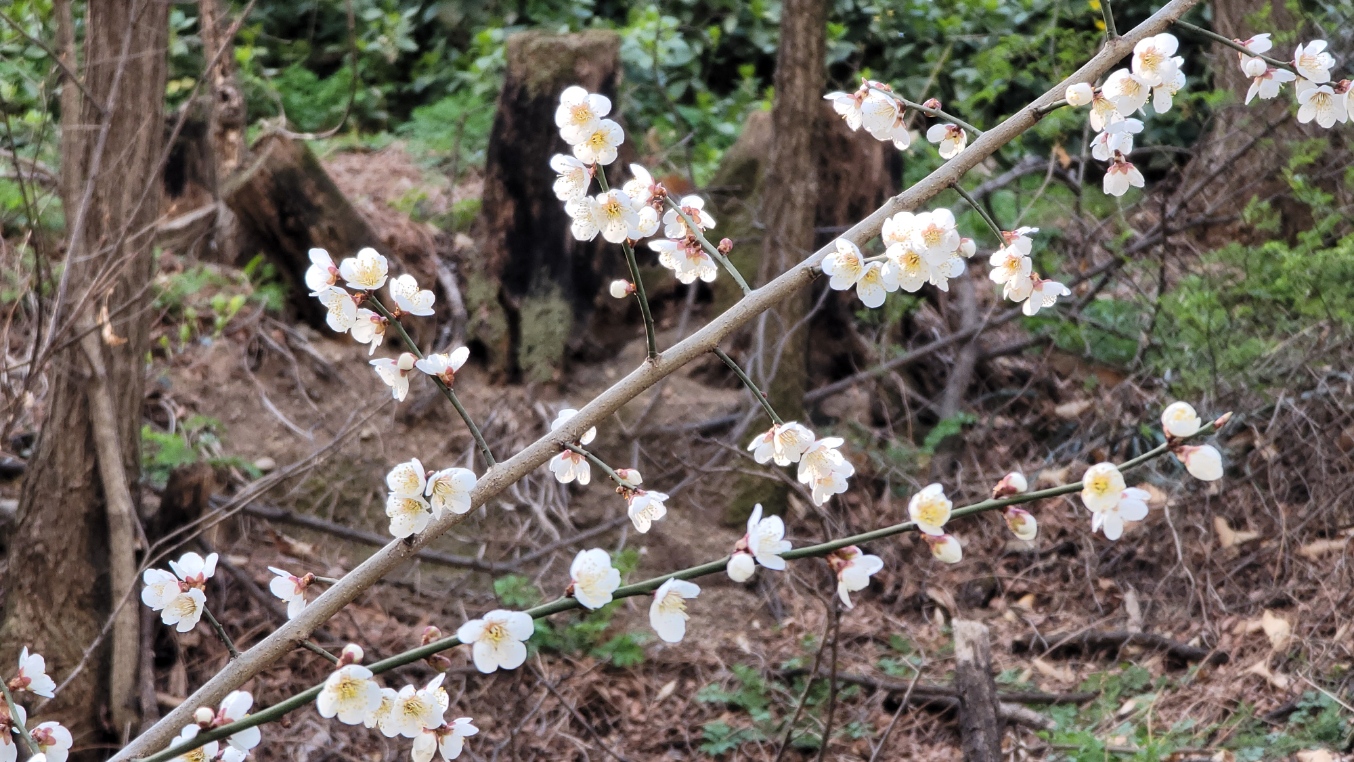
<point>322,272</point>
<point>449,490</point>
<point>365,272</point>
<point>340,308</point>
<point>646,507</point>
<point>1127,91</point>
<point>854,569</point>
<point>1154,59</point>
<point>571,466</point>
<point>876,281</point>
<point>1323,105</point>
<point>945,548</point>
<point>185,610</point>
<point>908,268</point>
<point>385,703</point>
<point>898,228</point>
<point>667,613</point>
<point>369,328</point>
<point>949,138</point>
<point>1180,420</point>
<point>53,740</point>
<point>1122,175</point>
<point>599,145</point>
<point>161,588</point>
<point>930,509</point>
<point>583,211</point>
<point>1022,523</point>
<point>1079,94</point>
<point>646,223</point>
<point>1117,137</point>
<point>1312,62</point>
<point>1103,111</point>
<point>235,707</point>
<point>407,479</point>
<point>1102,486</point>
<point>1257,45</point>
<point>640,186</point>
<point>621,288</point>
<point>741,566</point>
<point>594,578</point>
<point>395,373</point>
<point>1019,239</point>
<point>1163,95</point>
<point>498,638</point>
<point>694,206</point>
<point>448,740</point>
<point>409,514</point>
<point>290,588</point>
<point>935,235</point>
<point>845,266</point>
<point>849,107</point>
<point>1043,293</point>
<point>1011,269</point>
<point>579,113</point>
<point>823,468</point>
<point>883,117</point>
<point>574,177</point>
<point>1204,462</point>
<point>409,297</point>
<point>686,258</point>
<point>764,542</point>
<point>1268,84</point>
<point>203,753</point>
<point>349,694</point>
<point>33,677</point>
<point>616,215</point>
<point>1131,505</point>
<point>444,365</point>
<point>783,443</point>
<point>415,709</point>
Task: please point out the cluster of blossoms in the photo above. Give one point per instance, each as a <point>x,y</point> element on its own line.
<point>418,496</point>
<point>180,597</point>
<point>822,467</point>
<point>644,507</point>
<point>234,707</point>
<point>1320,99</point>
<point>920,248</point>
<point>53,741</point>
<point>883,114</point>
<point>1013,269</point>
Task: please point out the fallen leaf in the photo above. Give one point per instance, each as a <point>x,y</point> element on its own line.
<point>1230,538</point>
<point>1133,609</point>
<point>1026,602</point>
<point>1062,674</point>
<point>1319,548</point>
<point>665,691</point>
<point>1060,155</point>
<point>1073,409</point>
<point>1315,755</point>
<point>1277,629</point>
<point>1261,668</point>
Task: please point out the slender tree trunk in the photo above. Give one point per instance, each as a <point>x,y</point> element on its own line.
<point>60,593</point>
<point>226,117</point>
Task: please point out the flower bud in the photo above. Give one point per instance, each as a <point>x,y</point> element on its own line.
<point>968,247</point>
<point>430,633</point>
<point>1079,94</point>
<point>406,362</point>
<point>945,548</point>
<point>622,288</point>
<point>351,654</point>
<point>1011,484</point>
<point>1180,420</point>
<point>725,246</point>
<point>741,567</point>
<point>630,476</point>
<point>204,716</point>
<point>1022,523</point>
<point>1202,461</point>
<point>933,104</point>
<point>1223,420</point>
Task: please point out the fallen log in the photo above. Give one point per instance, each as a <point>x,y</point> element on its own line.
<point>1091,641</point>
<point>980,728</point>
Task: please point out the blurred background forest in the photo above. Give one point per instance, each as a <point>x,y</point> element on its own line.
<point>1228,282</point>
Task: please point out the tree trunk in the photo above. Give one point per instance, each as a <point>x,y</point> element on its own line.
<point>979,728</point>
<point>534,281</point>
<point>60,593</point>
<point>226,117</point>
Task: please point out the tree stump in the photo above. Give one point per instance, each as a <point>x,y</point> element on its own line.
<point>979,728</point>
<point>534,282</point>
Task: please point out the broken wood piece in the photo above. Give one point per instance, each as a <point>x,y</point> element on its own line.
<point>1115,639</point>
<point>980,728</point>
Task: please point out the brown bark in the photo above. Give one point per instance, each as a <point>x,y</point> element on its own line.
<point>226,117</point>
<point>534,281</point>
<point>59,592</point>
<point>979,728</point>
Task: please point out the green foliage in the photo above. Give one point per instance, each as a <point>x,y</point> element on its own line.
<point>203,299</point>
<point>195,439</point>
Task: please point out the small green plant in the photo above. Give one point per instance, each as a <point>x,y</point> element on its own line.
<point>195,439</point>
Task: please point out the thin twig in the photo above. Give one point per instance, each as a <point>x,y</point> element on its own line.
<point>934,113</point>
<point>640,294</point>
<point>1215,37</point>
<point>1107,11</point>
<point>596,461</point>
<point>752,387</point>
<point>14,718</point>
<point>709,248</point>
<point>309,646</point>
<point>991,223</point>
<point>221,633</point>
<point>832,682</point>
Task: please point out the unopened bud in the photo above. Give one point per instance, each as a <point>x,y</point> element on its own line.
<point>351,654</point>
<point>1222,420</point>
<point>1079,94</point>
<point>430,633</point>
<point>622,288</point>
<point>725,246</point>
<point>630,476</point>
<point>933,104</point>
<point>741,567</point>
<point>203,716</point>
<point>439,662</point>
<point>967,247</point>
<point>1013,483</point>
<point>1022,523</point>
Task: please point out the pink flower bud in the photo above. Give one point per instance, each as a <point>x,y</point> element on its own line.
<point>1013,483</point>
<point>203,716</point>
<point>351,654</point>
<point>725,246</point>
<point>1022,523</point>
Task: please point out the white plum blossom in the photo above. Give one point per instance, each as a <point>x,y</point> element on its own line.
<point>640,186</point>
<point>1079,94</point>
<point>1127,91</point>
<point>875,284</point>
<point>1322,105</point>
<point>823,468</point>
<point>741,566</point>
<point>667,613</point>
<point>570,466</point>
<point>765,539</point>
<point>385,702</point>
<point>235,707</point>
<point>203,753</point>
<point>930,509</point>
<point>1203,462</point>
<point>908,268</point>
<point>1154,60</point>
<point>584,213</point>
<point>1019,239</point>
<point>365,272</point>
<point>1268,84</point>
<point>854,569</point>
<point>783,443</point>
<point>290,588</point>
<point>407,479</point>
<point>646,223</point>
<point>848,106</point>
<point>621,288</point>
<point>898,228</point>
<point>322,272</point>
<point>1013,483</point>
<point>594,578</point>
<point>444,365</point>
<point>882,116</point>
<point>1102,486</point>
<point>845,266</point>
<point>1012,270</point>
<point>1131,506</point>
<point>646,507</point>
<point>1163,95</point>
<point>694,207</point>
<point>395,373</point>
<point>574,177</point>
<point>1122,175</point>
<point>945,548</point>
<point>498,639</point>
<point>1103,111</point>
<point>949,138</point>
<point>448,740</point>
<point>33,677</point>
<point>161,588</point>
<point>1180,420</point>
<point>409,297</point>
<point>1022,523</point>
<point>822,488</point>
<point>369,328</point>
<point>1312,62</point>
<point>563,417</point>
<point>935,234</point>
<point>54,741</point>
<point>185,611</point>
<point>409,515</point>
<point>415,709</point>
<point>579,112</point>
<point>686,258</point>
<point>449,490</point>
<point>599,144</point>
<point>340,308</point>
<point>1043,293</point>
<point>615,215</point>
<point>1117,137</point>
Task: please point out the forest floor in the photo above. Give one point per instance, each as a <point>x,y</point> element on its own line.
<point>1254,569</point>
